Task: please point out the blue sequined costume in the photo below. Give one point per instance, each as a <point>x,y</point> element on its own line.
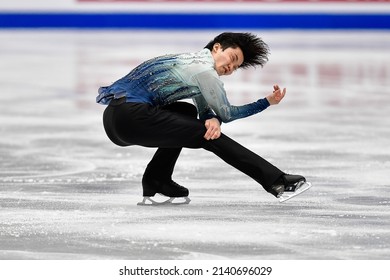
<point>163,80</point>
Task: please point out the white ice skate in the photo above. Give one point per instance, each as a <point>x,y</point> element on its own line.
<point>149,201</point>
<point>301,187</point>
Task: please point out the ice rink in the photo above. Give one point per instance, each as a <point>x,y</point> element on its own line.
<point>67,192</point>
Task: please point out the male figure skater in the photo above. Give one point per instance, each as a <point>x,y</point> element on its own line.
<point>143,109</point>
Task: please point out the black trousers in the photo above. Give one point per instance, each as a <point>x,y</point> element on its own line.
<point>173,127</point>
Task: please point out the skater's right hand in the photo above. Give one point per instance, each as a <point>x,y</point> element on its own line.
<point>276,96</point>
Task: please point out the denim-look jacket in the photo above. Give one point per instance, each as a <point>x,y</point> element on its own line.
<point>163,80</point>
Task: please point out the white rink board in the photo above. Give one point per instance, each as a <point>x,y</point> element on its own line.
<point>193,7</point>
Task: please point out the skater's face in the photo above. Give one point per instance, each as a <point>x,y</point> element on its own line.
<point>227,60</point>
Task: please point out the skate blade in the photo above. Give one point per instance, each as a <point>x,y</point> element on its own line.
<point>148,201</point>
<point>301,189</point>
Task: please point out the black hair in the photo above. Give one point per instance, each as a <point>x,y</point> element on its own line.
<point>255,50</point>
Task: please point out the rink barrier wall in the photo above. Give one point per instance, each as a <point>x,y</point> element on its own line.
<point>73,20</point>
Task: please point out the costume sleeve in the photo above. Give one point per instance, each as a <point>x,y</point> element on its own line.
<point>214,96</point>
<point>204,110</point>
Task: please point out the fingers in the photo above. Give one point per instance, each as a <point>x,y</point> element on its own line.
<point>278,94</point>
<point>284,92</point>
<point>212,133</point>
<point>213,130</point>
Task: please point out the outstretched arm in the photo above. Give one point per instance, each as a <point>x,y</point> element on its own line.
<point>213,125</point>
<point>276,96</point>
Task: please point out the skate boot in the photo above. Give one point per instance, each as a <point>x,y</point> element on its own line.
<point>290,186</point>
<point>167,188</point>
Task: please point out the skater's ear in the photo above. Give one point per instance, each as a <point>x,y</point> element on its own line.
<point>216,47</point>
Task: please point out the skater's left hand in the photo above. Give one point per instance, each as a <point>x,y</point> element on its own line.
<point>213,129</point>
<point>276,96</point>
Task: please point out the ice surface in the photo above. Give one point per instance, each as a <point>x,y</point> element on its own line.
<point>66,192</point>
